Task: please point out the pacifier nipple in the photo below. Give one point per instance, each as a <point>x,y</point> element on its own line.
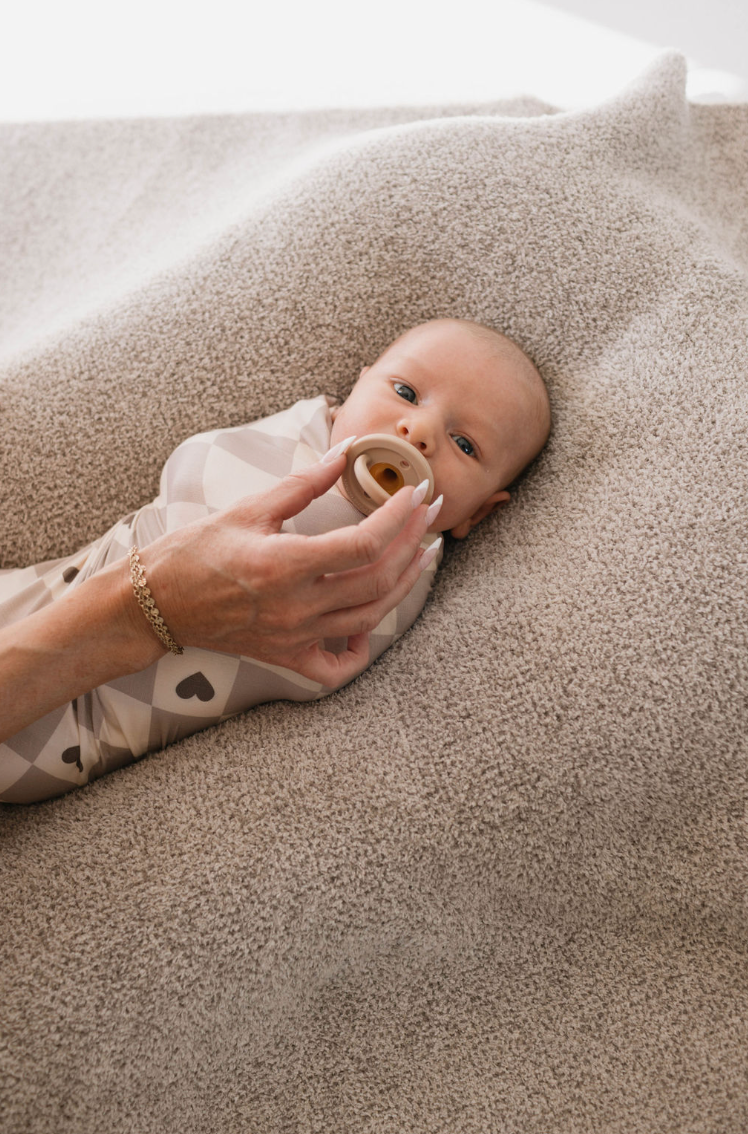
<point>378,466</point>
<point>389,478</point>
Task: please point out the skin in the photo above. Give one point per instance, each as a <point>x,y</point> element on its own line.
<point>469,412</point>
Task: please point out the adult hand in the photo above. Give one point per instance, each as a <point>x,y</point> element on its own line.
<point>235,583</point>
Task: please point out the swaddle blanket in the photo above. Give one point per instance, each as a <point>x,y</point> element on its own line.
<point>112,725</point>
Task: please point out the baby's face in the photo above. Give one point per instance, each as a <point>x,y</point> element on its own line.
<point>463,409</point>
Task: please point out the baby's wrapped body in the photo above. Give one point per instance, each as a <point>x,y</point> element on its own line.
<point>114,724</point>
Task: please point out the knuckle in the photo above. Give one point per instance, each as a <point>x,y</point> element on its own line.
<point>301,485</point>
<point>298,479</point>
<point>384,584</point>
<point>368,622</point>
<point>276,564</point>
<point>368,544</point>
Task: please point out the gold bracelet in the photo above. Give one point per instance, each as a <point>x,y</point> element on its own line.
<point>146,603</point>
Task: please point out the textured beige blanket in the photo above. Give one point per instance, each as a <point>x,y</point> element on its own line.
<point>499,882</point>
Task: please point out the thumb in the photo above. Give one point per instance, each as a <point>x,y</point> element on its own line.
<point>297,490</point>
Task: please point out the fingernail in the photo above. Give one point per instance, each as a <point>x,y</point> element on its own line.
<point>337,450</point>
<point>429,553</point>
<point>433,511</point>
<point>420,492</point>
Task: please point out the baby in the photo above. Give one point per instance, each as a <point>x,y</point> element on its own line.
<point>466,397</point>
<point>476,407</point>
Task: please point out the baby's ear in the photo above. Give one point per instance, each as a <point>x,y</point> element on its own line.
<point>490,505</point>
<point>364,371</point>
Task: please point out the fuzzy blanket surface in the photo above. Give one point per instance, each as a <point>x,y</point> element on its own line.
<point>498,883</point>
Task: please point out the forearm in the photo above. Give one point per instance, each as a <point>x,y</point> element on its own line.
<point>90,636</point>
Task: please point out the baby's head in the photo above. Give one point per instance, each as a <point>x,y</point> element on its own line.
<point>468,398</point>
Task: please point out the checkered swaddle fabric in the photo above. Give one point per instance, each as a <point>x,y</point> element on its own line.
<point>116,723</point>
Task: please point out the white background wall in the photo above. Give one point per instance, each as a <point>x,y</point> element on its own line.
<point>86,58</point>
<point>715,32</point>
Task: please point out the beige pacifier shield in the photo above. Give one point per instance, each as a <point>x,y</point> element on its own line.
<point>380,464</point>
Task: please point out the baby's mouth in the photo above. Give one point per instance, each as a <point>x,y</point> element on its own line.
<point>380,464</point>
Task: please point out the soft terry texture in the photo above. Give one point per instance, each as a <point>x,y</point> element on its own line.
<point>499,882</point>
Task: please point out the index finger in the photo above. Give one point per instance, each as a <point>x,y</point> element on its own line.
<point>355,545</point>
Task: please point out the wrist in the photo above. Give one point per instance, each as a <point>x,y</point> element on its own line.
<point>87,637</point>
<point>139,642</point>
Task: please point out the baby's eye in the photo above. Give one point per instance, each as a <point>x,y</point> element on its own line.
<point>464,444</point>
<point>401,386</point>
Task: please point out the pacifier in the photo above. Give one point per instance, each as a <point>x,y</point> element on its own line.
<point>378,466</point>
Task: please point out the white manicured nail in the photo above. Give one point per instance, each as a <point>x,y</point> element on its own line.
<point>337,450</point>
<point>429,553</point>
<point>420,492</point>
<point>433,511</point>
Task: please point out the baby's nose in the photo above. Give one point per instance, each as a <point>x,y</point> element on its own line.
<point>419,432</point>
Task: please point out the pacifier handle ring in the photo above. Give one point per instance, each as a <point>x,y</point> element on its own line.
<point>359,478</point>
<point>378,494</point>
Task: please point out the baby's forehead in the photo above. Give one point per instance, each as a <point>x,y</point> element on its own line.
<point>479,368</point>
<point>497,348</point>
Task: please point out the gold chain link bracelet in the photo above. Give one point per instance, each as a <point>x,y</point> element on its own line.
<point>146,603</point>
